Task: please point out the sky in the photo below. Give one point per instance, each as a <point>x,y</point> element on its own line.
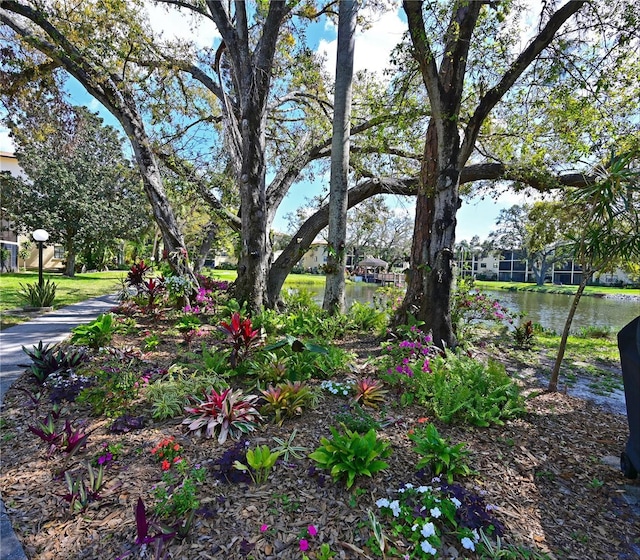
<point>373,47</point>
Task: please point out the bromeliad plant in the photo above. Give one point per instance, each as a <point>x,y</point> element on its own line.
<point>229,413</point>
<point>351,454</point>
<point>368,392</point>
<point>438,454</point>
<point>241,337</point>
<point>286,400</point>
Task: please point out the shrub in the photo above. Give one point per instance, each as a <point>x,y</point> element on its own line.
<point>595,331</point>
<point>462,389</point>
<point>351,454</point>
<point>112,392</point>
<point>388,299</point>
<point>470,306</point>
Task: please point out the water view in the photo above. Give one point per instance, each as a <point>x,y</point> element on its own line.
<point>549,310</point>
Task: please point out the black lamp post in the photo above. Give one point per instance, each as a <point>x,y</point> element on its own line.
<point>40,236</point>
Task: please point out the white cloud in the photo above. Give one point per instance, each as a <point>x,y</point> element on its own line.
<point>373,46</point>
<point>174,24</point>
<point>6,144</point>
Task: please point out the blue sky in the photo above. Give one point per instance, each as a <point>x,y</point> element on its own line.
<point>476,217</point>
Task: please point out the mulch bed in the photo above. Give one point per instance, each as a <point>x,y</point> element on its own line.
<point>544,472</point>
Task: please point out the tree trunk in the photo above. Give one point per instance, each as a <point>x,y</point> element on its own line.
<point>255,252</point>
<point>203,251</point>
<point>334,296</point>
<point>70,266</point>
<point>553,382</point>
<point>428,294</point>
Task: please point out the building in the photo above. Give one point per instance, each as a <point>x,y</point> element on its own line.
<point>315,257</point>
<point>52,255</point>
<point>512,266</point>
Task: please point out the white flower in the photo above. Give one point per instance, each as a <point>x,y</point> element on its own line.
<point>395,508</point>
<point>382,502</point>
<point>467,543</point>
<point>428,530</point>
<point>414,526</point>
<point>423,489</point>
<point>408,485</point>
<point>427,548</point>
<point>456,502</point>
<point>435,512</point>
<point>476,537</point>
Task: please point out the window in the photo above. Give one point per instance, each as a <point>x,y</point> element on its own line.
<point>58,252</point>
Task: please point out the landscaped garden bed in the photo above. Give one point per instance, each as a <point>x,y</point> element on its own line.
<point>122,465</point>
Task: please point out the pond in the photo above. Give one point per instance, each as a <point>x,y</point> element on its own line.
<point>549,310</point>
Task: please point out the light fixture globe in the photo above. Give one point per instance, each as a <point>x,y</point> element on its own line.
<point>40,235</point>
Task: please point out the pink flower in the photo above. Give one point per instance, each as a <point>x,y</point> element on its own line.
<point>263,527</point>
<point>304,545</point>
<point>312,530</point>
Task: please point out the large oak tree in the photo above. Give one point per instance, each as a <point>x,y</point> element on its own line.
<point>465,81</point>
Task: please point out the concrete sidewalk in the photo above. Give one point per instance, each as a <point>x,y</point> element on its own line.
<point>49,328</point>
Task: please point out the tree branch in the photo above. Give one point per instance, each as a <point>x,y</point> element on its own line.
<point>517,68</point>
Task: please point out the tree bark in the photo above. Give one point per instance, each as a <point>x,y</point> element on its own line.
<point>334,294</point>
<point>203,251</point>
<point>430,275</point>
<point>70,265</point>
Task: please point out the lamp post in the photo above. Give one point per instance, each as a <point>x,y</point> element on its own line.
<point>40,236</point>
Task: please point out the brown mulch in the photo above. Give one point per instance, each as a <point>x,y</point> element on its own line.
<point>544,472</point>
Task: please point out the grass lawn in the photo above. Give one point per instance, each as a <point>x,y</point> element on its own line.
<point>68,290</point>
<point>292,281</point>
<point>554,289</point>
<point>90,285</point>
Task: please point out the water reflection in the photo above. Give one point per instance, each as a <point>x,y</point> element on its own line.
<point>549,310</point>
